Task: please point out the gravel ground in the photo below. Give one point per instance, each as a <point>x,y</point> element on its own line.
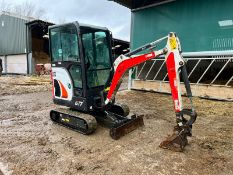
<point>10,85</point>
<point>31,144</point>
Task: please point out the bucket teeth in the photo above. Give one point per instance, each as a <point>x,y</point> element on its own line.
<point>177,141</point>
<point>126,127</point>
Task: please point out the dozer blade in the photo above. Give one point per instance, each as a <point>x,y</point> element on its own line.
<point>126,127</point>
<point>175,142</point>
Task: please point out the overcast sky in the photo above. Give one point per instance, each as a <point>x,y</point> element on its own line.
<point>95,12</point>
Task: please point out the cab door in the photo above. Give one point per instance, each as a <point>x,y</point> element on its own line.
<point>66,62</point>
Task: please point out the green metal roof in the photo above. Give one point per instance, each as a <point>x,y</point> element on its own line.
<point>134,4</point>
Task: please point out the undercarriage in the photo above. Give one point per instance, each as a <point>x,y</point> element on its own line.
<point>117,119</point>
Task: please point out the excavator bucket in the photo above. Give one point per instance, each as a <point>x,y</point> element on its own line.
<point>175,142</point>
<point>126,127</point>
<point>178,140</point>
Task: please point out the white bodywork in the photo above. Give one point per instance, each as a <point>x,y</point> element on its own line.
<point>62,75</point>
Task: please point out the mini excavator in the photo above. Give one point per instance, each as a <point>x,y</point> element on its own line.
<point>86,79</point>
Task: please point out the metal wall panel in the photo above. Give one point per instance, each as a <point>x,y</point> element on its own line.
<point>17,64</point>
<point>202,25</point>
<point>12,35</point>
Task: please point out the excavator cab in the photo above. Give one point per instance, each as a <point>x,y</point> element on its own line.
<point>81,62</point>
<point>81,69</point>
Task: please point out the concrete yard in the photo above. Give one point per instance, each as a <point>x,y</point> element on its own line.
<point>31,144</point>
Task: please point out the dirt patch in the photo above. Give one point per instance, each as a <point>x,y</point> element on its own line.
<point>10,85</point>
<point>31,144</point>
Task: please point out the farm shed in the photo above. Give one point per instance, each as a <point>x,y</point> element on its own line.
<point>13,43</point>
<point>22,43</point>
<point>37,43</point>
<point>206,37</point>
<point>119,47</point>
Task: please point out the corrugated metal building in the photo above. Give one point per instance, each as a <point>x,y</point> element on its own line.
<point>12,34</point>
<point>22,44</point>
<point>13,43</point>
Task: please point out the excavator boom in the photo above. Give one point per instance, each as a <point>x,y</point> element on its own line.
<point>174,64</point>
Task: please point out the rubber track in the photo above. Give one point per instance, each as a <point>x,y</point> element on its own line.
<point>90,120</point>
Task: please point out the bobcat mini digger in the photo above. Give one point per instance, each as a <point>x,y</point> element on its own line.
<point>86,79</point>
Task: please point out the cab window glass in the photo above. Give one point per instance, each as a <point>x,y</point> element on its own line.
<point>75,72</point>
<point>64,44</point>
<point>97,57</point>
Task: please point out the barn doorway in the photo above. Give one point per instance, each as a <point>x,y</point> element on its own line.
<point>37,44</point>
